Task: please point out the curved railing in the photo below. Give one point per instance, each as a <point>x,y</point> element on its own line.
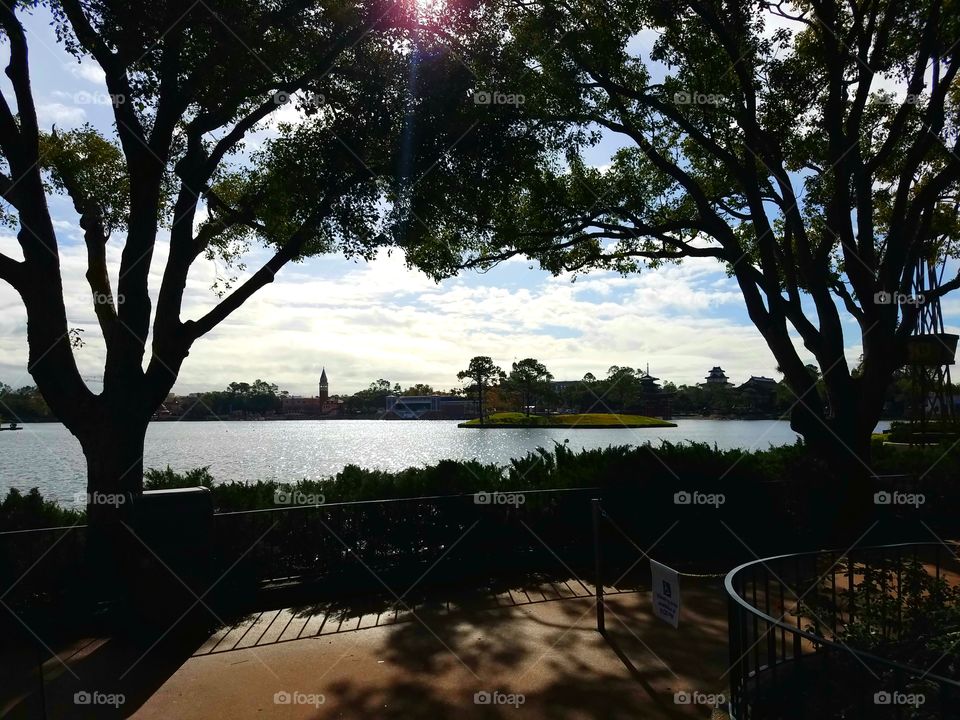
<point>849,635</point>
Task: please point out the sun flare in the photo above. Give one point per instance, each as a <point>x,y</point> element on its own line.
<point>428,8</point>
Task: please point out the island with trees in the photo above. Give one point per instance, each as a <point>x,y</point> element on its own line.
<point>577,421</point>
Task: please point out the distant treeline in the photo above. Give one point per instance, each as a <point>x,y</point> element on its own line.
<point>25,404</point>
<point>261,397</point>
<point>619,391</point>
<point>256,398</point>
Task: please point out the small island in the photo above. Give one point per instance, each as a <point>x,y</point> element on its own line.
<point>593,421</point>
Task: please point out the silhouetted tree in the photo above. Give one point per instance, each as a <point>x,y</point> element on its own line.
<point>619,389</point>
<point>373,398</point>
<point>386,135</point>
<point>761,137</point>
<point>531,381</point>
<point>482,372</point>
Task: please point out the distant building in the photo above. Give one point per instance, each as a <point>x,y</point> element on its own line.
<point>321,406</point>
<point>717,377</point>
<point>759,394</point>
<point>654,400</point>
<point>430,407</point>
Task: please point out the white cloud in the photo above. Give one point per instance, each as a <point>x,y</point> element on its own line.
<point>55,113</point>
<point>365,321</point>
<point>87,70</point>
<point>370,320</point>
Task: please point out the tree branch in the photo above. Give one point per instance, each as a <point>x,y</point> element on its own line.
<point>8,191</point>
<point>95,238</point>
<point>11,271</point>
<point>841,290</point>
<point>264,276</point>
<point>19,74</point>
<point>129,128</point>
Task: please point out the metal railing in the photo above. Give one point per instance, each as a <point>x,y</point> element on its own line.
<point>366,545</point>
<point>827,634</point>
<point>349,547</point>
<point>43,565</point>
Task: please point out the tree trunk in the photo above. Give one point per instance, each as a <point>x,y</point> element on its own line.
<point>843,495</point>
<point>113,447</point>
<point>114,453</point>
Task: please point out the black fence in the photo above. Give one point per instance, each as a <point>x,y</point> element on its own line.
<point>339,549</point>
<point>40,567</point>
<point>316,552</point>
<point>846,635</point>
<point>387,546</point>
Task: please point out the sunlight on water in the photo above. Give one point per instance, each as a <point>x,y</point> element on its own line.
<point>48,457</point>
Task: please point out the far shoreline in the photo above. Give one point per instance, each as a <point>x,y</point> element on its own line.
<point>576,421</point>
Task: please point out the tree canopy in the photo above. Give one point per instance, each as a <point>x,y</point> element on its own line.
<point>530,380</point>
<point>811,150</point>
<point>380,145</point>
<point>482,373</point>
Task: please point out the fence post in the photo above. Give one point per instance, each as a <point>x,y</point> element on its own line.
<point>598,577</point>
<point>43,682</point>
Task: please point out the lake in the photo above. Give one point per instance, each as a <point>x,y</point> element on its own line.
<point>47,456</point>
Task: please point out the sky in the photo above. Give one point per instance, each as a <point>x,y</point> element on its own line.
<point>363,321</point>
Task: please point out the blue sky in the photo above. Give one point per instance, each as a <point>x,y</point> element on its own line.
<point>364,321</point>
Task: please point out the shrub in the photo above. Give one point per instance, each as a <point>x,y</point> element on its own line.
<point>785,482</point>
<point>21,512</point>
<point>168,479</point>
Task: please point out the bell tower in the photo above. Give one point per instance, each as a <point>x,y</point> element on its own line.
<point>324,388</point>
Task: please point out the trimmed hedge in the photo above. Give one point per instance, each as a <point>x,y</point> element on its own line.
<point>640,468</point>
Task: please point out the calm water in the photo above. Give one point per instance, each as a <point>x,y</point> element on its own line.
<point>46,456</point>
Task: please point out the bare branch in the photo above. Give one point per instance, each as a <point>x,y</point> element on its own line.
<point>19,75</point>
<point>841,290</point>
<point>11,271</point>
<point>264,276</point>
<point>8,191</point>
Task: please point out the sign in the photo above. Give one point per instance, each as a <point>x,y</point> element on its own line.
<point>666,592</point>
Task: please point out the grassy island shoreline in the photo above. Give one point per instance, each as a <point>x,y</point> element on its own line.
<point>580,421</point>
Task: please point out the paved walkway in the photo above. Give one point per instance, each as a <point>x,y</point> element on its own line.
<point>535,647</point>
<point>442,662</point>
